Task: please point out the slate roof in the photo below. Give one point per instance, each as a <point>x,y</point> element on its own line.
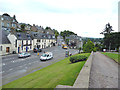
<point>38,35</point>
<point>22,36</point>
<point>4,39</point>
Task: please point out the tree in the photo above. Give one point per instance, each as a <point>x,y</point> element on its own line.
<point>108,29</point>
<point>66,33</point>
<point>23,26</point>
<point>112,40</point>
<point>89,46</point>
<point>56,34</point>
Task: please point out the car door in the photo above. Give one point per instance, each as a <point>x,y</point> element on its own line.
<point>48,57</point>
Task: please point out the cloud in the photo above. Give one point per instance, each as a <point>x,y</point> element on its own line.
<point>79,16</point>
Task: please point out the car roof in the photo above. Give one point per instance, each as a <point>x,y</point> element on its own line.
<point>48,53</point>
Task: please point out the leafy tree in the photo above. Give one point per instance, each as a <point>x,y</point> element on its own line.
<point>66,33</point>
<point>56,34</point>
<point>112,40</point>
<point>89,46</point>
<point>23,26</point>
<point>108,29</point>
<point>98,47</point>
<point>47,28</point>
<point>107,39</point>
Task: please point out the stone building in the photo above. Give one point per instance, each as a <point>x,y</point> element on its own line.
<point>8,22</point>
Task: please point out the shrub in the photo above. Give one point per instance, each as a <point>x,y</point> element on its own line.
<point>78,58</point>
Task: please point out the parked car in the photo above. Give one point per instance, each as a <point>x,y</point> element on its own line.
<point>24,54</point>
<point>46,56</point>
<point>37,50</point>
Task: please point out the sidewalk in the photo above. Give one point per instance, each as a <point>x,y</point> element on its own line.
<point>104,72</point>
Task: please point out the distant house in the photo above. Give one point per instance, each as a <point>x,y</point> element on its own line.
<point>5,44</point>
<point>42,40</point>
<point>74,41</point>
<point>27,26</point>
<point>49,31</point>
<point>34,28</point>
<point>21,42</point>
<point>8,22</point>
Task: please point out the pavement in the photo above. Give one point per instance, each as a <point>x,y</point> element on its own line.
<point>104,72</point>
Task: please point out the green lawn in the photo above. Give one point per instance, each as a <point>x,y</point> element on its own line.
<point>113,56</point>
<point>60,73</point>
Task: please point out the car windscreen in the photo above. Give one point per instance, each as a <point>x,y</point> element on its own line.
<point>44,55</point>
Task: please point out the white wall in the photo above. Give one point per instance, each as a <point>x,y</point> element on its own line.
<point>12,38</point>
<point>3,52</point>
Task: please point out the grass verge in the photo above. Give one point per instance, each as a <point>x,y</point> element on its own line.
<point>60,73</point>
<point>114,56</point>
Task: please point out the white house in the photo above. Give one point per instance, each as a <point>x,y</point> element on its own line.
<point>21,42</point>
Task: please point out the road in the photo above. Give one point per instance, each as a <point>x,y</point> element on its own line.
<point>104,72</point>
<point>14,67</point>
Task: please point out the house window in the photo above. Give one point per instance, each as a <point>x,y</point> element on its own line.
<point>38,40</point>
<point>2,23</point>
<point>16,43</point>
<point>42,40</point>
<point>2,18</point>
<point>22,44</point>
<point>27,42</point>
<point>0,48</point>
<point>7,24</point>
<point>13,25</point>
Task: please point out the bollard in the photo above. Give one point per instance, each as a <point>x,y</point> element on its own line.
<point>38,54</point>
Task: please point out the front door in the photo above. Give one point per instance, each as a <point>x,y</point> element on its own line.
<point>26,48</point>
<point>18,49</point>
<point>7,49</point>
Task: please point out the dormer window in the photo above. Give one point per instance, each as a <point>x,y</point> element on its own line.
<point>13,20</point>
<point>35,35</point>
<point>19,35</point>
<point>28,35</point>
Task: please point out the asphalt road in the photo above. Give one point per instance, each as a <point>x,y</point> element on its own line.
<point>104,72</point>
<point>14,67</point>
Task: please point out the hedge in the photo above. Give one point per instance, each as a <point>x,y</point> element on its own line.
<point>78,58</point>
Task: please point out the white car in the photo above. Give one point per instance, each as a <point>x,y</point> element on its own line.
<point>24,54</point>
<point>46,56</point>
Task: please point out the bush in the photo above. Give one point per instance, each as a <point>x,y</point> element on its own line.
<point>78,58</point>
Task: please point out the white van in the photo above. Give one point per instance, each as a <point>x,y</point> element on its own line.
<point>46,56</point>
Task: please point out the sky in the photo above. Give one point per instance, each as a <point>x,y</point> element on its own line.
<point>87,18</point>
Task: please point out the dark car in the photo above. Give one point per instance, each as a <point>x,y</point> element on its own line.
<point>37,50</point>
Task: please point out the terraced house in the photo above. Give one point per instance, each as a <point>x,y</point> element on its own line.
<point>16,40</point>
<point>21,41</point>
<point>42,40</point>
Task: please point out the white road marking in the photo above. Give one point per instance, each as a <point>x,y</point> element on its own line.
<point>3,64</point>
<point>10,69</point>
<point>20,66</point>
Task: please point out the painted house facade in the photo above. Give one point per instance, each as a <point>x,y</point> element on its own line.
<point>21,42</point>
<point>41,40</point>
